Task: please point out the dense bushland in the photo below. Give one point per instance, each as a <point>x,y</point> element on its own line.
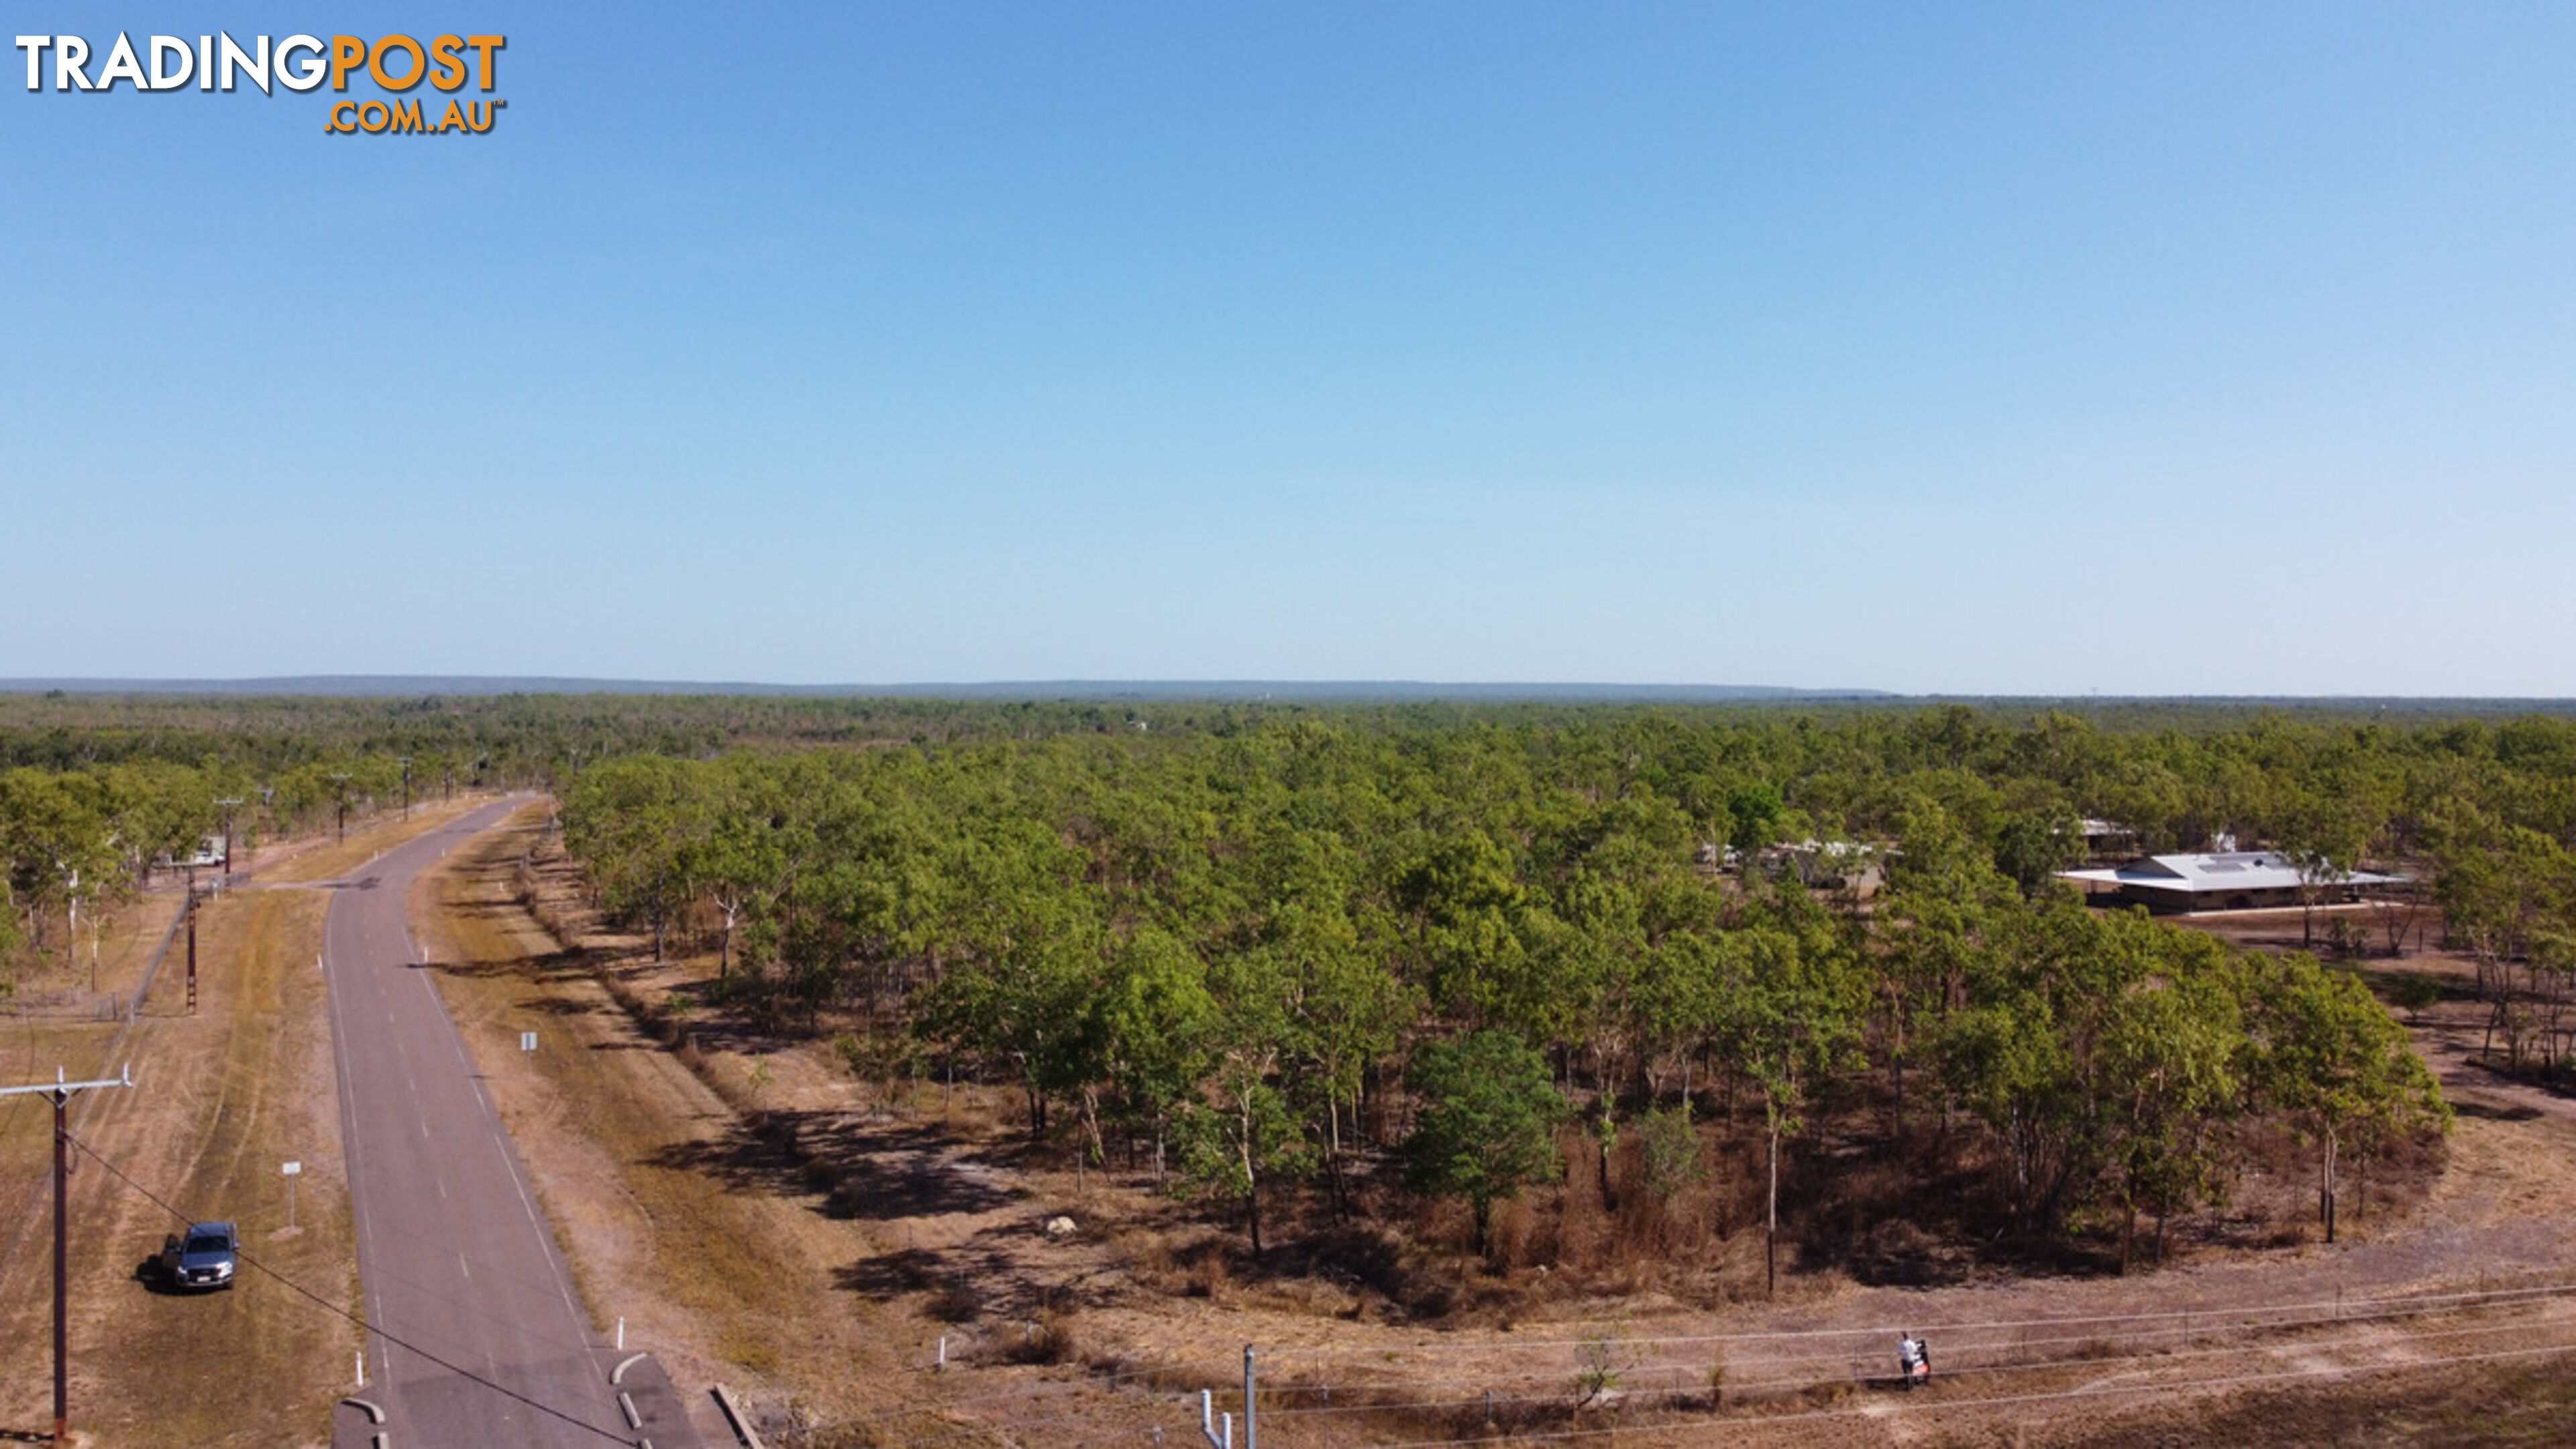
<point>1343,960</point>
<point>1314,961</point>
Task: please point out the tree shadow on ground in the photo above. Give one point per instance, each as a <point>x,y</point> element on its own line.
<point>2493,1111</point>
<point>984,1276</point>
<point>875,1175</point>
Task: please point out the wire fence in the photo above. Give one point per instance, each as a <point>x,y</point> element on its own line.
<point>1653,1386</point>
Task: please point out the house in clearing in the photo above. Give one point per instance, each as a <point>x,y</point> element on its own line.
<point>2230,880</point>
<point>2109,839</point>
<point>1828,865</point>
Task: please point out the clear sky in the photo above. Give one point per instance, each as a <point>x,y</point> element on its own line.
<point>2146,348</point>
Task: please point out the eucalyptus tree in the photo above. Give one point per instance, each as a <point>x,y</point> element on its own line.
<point>1943,904</point>
<point>1157,1025</point>
<point>2173,1055</point>
<point>1791,1007</point>
<point>2332,1056</point>
<point>1313,926</point>
<point>1485,1124</point>
<point>1025,949</point>
<point>634,819</point>
<point>743,823</point>
<point>59,848</point>
<point>1241,1131</point>
<point>155,810</point>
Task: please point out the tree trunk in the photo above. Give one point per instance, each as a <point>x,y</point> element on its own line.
<point>1333,1156</point>
<point>1601,1162</point>
<point>1251,1188</point>
<point>2326,1186</point>
<point>1771,1216</point>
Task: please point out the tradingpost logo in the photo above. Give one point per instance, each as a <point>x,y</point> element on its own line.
<point>396,64</point>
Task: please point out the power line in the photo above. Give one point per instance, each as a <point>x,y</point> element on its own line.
<point>2169,1356</point>
<point>2390,1308</point>
<point>2410,1302</point>
<point>1749,1423</point>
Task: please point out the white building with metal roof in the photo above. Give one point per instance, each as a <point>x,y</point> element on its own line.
<point>2224,881</point>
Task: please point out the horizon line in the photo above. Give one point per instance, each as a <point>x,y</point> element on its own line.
<point>1219,690</point>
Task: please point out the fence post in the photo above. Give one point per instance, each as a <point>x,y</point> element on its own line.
<point>1207,1422</point>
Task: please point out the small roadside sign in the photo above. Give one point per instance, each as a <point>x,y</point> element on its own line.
<point>293,1168</point>
<point>527,1041</point>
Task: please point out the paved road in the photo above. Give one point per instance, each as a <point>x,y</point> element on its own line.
<point>480,1339</point>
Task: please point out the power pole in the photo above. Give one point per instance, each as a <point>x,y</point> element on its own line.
<point>228,805</point>
<point>192,950</point>
<point>406,769</point>
<point>61,1091</point>
<point>341,793</point>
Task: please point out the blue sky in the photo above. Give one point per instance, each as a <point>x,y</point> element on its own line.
<point>2014,349</point>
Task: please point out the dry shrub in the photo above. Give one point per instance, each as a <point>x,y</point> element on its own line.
<point>1047,1338</point>
<point>1515,1236</point>
<point>954,1301</point>
<point>1149,1259</point>
<point>1205,1273</point>
<point>1830,1394</point>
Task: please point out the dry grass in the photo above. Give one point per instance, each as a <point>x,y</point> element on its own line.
<point>221,1100</point>
<point>321,858</point>
<point>721,1263</point>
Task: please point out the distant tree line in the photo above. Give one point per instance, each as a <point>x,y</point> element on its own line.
<point>78,843</point>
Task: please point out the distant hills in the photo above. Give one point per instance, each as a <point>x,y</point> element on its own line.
<point>1397,690</point>
<point>1308,691</point>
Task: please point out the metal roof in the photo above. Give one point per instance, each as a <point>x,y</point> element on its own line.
<point>2233,870</point>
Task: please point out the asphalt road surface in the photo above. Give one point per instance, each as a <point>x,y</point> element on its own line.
<point>479,1338</point>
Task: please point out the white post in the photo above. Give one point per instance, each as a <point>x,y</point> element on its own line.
<point>362,1368</point>
<point>621,1335</point>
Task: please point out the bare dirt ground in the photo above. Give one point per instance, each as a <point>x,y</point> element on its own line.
<point>221,1100</point>
<point>769,1218</point>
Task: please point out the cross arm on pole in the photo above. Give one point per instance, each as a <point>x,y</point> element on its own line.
<point>123,1079</point>
<point>60,1090</point>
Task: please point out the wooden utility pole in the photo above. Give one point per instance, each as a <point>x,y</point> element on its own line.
<point>61,1091</point>
<point>228,805</point>
<point>192,950</point>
